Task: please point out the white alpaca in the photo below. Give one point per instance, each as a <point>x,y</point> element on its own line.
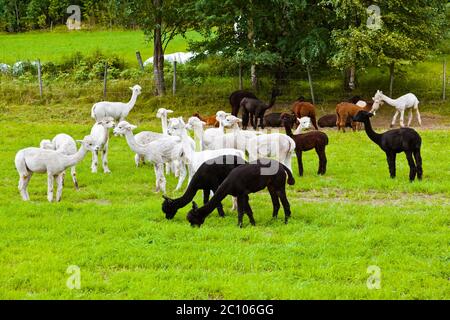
<point>210,134</point>
<point>158,152</point>
<point>276,145</point>
<point>194,160</point>
<point>100,133</point>
<point>145,137</point>
<point>236,139</point>
<point>117,110</point>
<point>196,125</point>
<point>407,101</point>
<point>303,123</point>
<point>64,144</point>
<point>54,163</point>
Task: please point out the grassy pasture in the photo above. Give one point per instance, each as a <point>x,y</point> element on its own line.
<point>113,229</point>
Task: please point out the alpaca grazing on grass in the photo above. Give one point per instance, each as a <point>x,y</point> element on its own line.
<point>302,109</point>
<point>208,178</point>
<point>346,111</point>
<point>304,142</point>
<point>51,162</point>
<point>408,101</point>
<point>395,141</point>
<point>246,179</point>
<point>254,110</point>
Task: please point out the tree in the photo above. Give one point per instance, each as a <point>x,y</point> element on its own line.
<point>162,20</point>
<point>407,32</point>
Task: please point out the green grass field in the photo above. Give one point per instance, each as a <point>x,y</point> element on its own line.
<point>54,46</point>
<point>113,228</point>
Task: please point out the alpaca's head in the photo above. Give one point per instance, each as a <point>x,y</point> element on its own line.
<point>107,122</point>
<point>176,127</point>
<point>168,208</point>
<point>193,217</point>
<point>163,113</point>
<point>47,144</point>
<point>377,101</point>
<point>362,116</point>
<point>194,122</point>
<point>89,143</point>
<point>232,120</point>
<point>304,122</point>
<point>288,119</point>
<point>137,89</point>
<point>123,127</point>
<point>221,115</point>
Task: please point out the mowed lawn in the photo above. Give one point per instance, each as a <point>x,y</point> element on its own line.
<point>114,231</point>
<point>54,46</point>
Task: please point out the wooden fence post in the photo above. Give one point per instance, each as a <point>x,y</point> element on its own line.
<point>139,59</point>
<point>105,80</point>
<point>39,77</point>
<point>174,84</point>
<point>444,79</point>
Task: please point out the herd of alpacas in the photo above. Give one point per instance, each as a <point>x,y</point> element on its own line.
<point>214,161</point>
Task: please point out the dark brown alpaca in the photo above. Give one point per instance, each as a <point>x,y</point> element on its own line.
<point>307,141</point>
<point>305,109</point>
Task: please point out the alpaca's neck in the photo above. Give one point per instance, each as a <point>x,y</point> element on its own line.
<point>187,147</point>
<point>76,157</point>
<point>198,134</point>
<point>221,126</point>
<point>288,129</point>
<point>134,146</point>
<point>375,137</point>
<point>164,124</point>
<point>217,198</point>
<point>389,101</point>
<point>298,130</point>
<point>185,198</point>
<point>132,101</point>
<point>272,102</point>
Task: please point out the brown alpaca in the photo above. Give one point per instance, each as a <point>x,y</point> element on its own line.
<point>305,109</point>
<point>347,110</point>
<point>209,120</point>
<point>307,141</point>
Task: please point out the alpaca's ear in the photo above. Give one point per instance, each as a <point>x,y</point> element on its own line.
<point>169,111</point>
<point>131,88</point>
<point>132,127</point>
<point>194,205</point>
<point>370,115</point>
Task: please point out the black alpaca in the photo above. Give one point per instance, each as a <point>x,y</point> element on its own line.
<point>236,98</point>
<point>307,141</point>
<point>254,109</point>
<point>207,178</point>
<point>395,141</point>
<point>246,179</point>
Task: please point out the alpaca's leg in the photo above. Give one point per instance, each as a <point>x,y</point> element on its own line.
<point>410,117</point>
<point>59,186</point>
<point>155,168</point>
<point>73,173</point>
<point>418,159</point>
<point>244,119</point>
<point>284,201</point>
<point>249,211</point>
<point>94,161</point>
<point>182,176</point>
<point>137,159</point>
<point>50,179</point>
<point>241,206</point>
<point>253,121</point>
<point>299,162</point>
<point>275,201</point>
<point>314,122</point>
<point>160,178</point>
<point>412,166</point>
<point>391,162</point>
<point>105,158</point>
<point>394,119</point>
<point>23,185</point>
<point>343,122</point>
<point>419,119</point>
<point>322,160</point>
<point>402,118</point>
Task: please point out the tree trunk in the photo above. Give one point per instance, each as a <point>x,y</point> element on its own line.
<point>251,40</point>
<point>350,79</point>
<point>158,53</point>
<point>308,69</point>
<point>391,78</point>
